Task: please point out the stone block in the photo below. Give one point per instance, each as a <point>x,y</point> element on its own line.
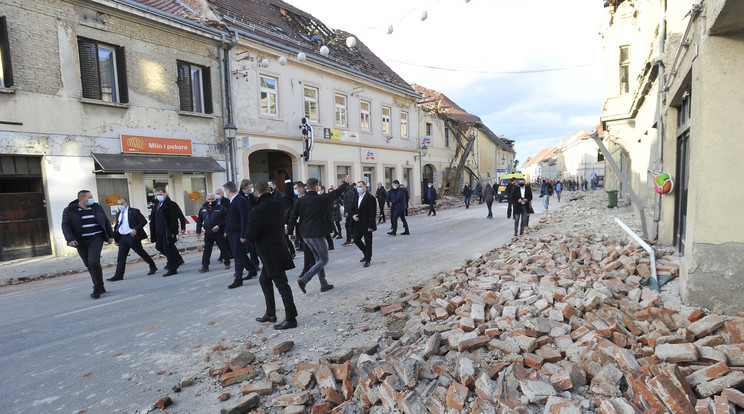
<point>560,405</point>
<point>324,378</point>
<point>731,380</point>
<point>243,405</point>
<point>734,354</point>
<point>341,355</point>
<point>696,315</point>
<point>260,388</point>
<point>677,352</point>
<point>302,379</point>
<point>291,399</point>
<point>706,325</point>
<point>294,409</point>
<point>322,408</point>
<point>283,347</point>
<point>241,361</point>
<point>411,404</point>
<point>670,396</point>
<point>341,372</point>
<point>735,329</point>
<point>734,396</point>
<point>236,377</point>
<point>537,391</point>
<point>390,309</point>
<point>456,396</point>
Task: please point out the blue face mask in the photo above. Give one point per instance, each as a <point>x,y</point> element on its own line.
<point>122,208</point>
<point>360,190</point>
<point>160,198</point>
<point>90,202</point>
<point>297,192</point>
<point>217,196</point>
<point>252,189</point>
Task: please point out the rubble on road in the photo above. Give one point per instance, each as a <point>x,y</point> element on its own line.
<point>558,322</point>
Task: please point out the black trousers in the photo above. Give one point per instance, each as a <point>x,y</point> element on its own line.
<point>169,250</point>
<point>329,240</point>
<point>282,285</point>
<point>431,208</point>
<point>242,262</point>
<point>209,242</point>
<point>89,250</point>
<point>127,242</point>
<point>381,204</point>
<point>337,228</point>
<point>396,214</point>
<point>521,212</point>
<point>508,209</point>
<point>349,228</point>
<point>366,246</point>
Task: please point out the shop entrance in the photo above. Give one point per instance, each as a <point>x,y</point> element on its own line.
<point>271,165</point>
<point>24,229</point>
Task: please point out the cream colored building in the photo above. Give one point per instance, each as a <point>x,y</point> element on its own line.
<point>495,154</point>
<point>89,99</point>
<point>673,105</point>
<point>580,157</point>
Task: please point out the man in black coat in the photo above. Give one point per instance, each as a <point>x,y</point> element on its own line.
<point>381,196</point>
<point>266,230</point>
<point>349,197</point>
<point>212,218</point>
<point>509,207</point>
<point>363,211</point>
<point>521,197</point>
<point>286,201</point>
<point>236,225</point>
<point>430,197</point>
<point>164,219</point>
<point>85,226</point>
<point>128,234</point>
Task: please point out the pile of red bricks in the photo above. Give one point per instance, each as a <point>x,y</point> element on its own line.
<point>557,324</point>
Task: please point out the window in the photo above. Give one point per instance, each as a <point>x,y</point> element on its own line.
<point>103,71</point>
<point>389,173</point>
<point>315,171</point>
<point>624,69</point>
<point>269,95</point>
<point>428,129</point>
<point>6,71</point>
<point>194,193</point>
<point>341,171</point>
<point>111,187</point>
<point>194,88</point>
<point>446,137</point>
<point>403,124</point>
<point>310,98</point>
<point>386,120</point>
<point>364,110</point>
<point>340,103</point>
<point>369,176</point>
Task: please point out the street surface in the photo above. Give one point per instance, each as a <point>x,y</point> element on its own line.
<point>63,352</point>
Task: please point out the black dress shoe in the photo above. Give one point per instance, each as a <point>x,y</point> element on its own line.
<point>266,318</point>
<point>227,266</point>
<point>302,286</point>
<point>170,273</point>
<point>204,269</point>
<point>405,233</point>
<point>180,262</point>
<point>152,271</point>
<point>95,295</point>
<point>235,284</point>
<point>114,279</point>
<point>326,288</point>
<point>392,233</point>
<point>287,324</point>
<point>364,259</point>
<point>103,289</point>
<point>250,276</point>
<point>366,264</point>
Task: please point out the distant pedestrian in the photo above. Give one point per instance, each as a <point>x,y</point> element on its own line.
<point>311,219</point>
<point>349,197</point>
<point>85,227</point>
<point>266,230</point>
<point>488,196</point>
<point>164,219</point>
<point>211,218</point>
<point>404,189</point>
<point>509,206</point>
<point>521,198</point>
<point>363,212</point>
<point>397,203</point>
<point>545,193</point>
<point>236,226</point>
<point>431,199</point>
<point>558,190</point>
<point>478,192</point>
<point>128,234</point>
<point>381,196</point>
<point>467,193</point>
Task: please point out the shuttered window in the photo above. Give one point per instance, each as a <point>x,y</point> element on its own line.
<point>194,88</point>
<point>6,70</point>
<point>103,71</point>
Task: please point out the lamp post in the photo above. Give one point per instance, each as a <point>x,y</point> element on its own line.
<point>230,132</point>
<point>422,152</point>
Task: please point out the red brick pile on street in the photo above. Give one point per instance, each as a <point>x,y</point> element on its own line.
<point>548,324</point>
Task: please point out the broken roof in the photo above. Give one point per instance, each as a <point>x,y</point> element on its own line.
<point>437,102</point>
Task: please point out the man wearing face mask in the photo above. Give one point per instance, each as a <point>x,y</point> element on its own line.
<point>85,227</point>
<point>219,195</point>
<point>164,220</point>
<point>128,234</point>
<point>246,189</point>
<point>212,219</point>
<point>520,198</point>
<point>431,198</point>
<point>364,214</point>
<point>223,201</point>
<point>397,203</point>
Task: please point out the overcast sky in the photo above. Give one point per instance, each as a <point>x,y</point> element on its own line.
<point>482,39</point>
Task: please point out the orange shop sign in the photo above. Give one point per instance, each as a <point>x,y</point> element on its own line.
<point>155,145</point>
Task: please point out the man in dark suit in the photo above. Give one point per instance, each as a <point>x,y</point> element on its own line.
<point>521,197</point>
<point>212,219</point>
<point>431,198</point>
<point>266,231</point>
<point>349,197</point>
<point>164,219</point>
<point>363,212</point>
<point>236,225</point>
<point>128,234</point>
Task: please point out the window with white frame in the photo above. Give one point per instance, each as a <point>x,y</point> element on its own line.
<point>624,69</point>
<point>340,104</point>
<point>269,96</point>
<point>364,109</point>
<point>6,70</point>
<point>310,99</point>
<point>103,71</point>
<point>403,124</point>
<point>386,120</point>
<point>194,88</point>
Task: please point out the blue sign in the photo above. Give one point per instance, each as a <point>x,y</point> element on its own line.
<point>501,170</point>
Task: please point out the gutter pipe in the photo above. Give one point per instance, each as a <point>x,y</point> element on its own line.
<point>654,282</point>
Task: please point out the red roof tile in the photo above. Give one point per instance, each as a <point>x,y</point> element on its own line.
<point>435,100</point>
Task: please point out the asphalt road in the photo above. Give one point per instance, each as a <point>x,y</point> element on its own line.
<point>61,351</point>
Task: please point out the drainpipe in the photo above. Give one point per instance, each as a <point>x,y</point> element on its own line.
<point>659,120</point>
<point>229,110</point>
<point>655,280</point>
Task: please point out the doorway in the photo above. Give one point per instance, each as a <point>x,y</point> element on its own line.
<point>426,177</point>
<point>269,165</point>
<point>680,201</point>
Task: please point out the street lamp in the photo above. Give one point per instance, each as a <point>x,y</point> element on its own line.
<point>230,132</point>
<point>422,152</point>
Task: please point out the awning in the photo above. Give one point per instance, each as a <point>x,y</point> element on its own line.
<point>155,163</point>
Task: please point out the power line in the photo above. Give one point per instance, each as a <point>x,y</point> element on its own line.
<point>492,72</point>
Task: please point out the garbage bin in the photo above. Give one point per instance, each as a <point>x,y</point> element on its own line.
<point>612,195</point>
